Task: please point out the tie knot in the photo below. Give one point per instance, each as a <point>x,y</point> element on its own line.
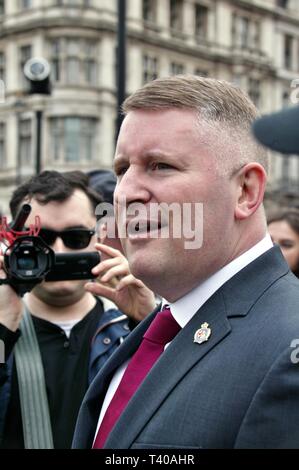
<point>163,328</point>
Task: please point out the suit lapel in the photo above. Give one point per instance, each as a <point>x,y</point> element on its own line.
<point>235,298</point>
<point>180,356</point>
<point>93,400</point>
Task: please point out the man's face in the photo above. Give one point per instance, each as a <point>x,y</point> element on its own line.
<point>75,212</point>
<point>167,157</point>
<point>283,234</point>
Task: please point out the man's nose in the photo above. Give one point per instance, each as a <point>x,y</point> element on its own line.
<point>58,246</point>
<point>132,187</point>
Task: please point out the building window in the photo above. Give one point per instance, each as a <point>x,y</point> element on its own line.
<point>240,31</point>
<point>176,15</point>
<point>2,145</point>
<point>2,7</point>
<point>25,4</point>
<point>254,91</point>
<point>201,72</point>
<point>201,21</point>
<point>2,66</point>
<point>74,61</point>
<point>149,68</point>
<point>73,3</point>
<point>176,68</point>
<point>90,63</point>
<point>55,60</point>
<point>72,139</point>
<point>282,3</point>
<point>25,142</point>
<point>288,52</point>
<point>254,35</point>
<point>25,53</point>
<point>149,10</point>
<point>245,33</point>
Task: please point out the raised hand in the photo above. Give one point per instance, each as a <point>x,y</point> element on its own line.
<point>116,282</point>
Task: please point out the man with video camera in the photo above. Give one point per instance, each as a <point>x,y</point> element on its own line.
<point>70,333</point>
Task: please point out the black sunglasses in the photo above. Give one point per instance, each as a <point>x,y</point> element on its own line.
<point>73,238</point>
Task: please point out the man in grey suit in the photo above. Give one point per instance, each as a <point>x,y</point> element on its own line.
<point>230,377</point>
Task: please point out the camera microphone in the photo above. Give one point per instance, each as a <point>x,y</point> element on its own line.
<point>19,222</point>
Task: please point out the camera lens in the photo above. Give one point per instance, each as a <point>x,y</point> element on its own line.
<point>27,264</point>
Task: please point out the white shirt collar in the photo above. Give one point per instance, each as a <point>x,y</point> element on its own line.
<point>184,308</point>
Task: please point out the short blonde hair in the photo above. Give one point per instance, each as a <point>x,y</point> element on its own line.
<point>217,102</point>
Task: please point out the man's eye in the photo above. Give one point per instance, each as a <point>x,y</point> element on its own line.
<point>287,244</point>
<point>160,166</point>
<point>121,171</point>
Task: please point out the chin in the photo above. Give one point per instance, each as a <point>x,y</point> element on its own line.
<point>146,271</point>
<point>61,287</point>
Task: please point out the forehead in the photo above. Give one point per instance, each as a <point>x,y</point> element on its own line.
<point>282,229</point>
<point>74,211</point>
<point>167,128</point>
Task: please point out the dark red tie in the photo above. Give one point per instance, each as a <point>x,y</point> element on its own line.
<point>160,332</point>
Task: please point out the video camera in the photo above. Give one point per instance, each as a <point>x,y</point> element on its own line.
<point>28,260</point>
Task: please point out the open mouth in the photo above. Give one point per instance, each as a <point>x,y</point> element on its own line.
<point>143,227</point>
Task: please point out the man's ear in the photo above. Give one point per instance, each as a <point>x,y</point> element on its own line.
<point>251,187</point>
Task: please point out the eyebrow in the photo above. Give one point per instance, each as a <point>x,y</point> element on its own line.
<point>122,160</point>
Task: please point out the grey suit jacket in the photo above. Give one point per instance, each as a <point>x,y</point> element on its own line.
<point>239,389</point>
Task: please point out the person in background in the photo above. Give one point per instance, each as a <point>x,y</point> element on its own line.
<point>212,367</point>
<point>104,182</point>
<point>283,227</point>
<point>59,336</point>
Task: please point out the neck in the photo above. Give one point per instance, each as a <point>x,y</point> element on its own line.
<point>77,310</point>
<point>244,242</point>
